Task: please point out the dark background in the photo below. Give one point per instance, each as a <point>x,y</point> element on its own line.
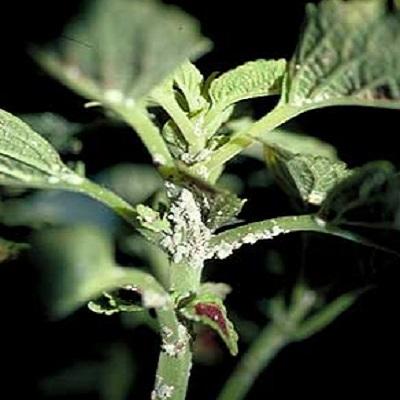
<point>355,357</point>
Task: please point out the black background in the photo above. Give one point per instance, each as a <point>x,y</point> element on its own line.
<point>355,357</point>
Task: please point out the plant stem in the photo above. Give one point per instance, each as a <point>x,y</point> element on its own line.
<point>175,359</point>
<point>150,135</point>
<point>279,115</point>
<point>270,341</point>
<point>252,232</point>
<point>170,105</point>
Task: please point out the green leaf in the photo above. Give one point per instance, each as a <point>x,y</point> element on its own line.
<point>27,159</point>
<point>298,143</point>
<point>372,186</point>
<point>190,82</point>
<point>349,54</point>
<point>10,250</point>
<point>307,175</point>
<point>121,300</point>
<point>208,309</point>
<point>62,134</point>
<point>133,182</point>
<point>250,80</point>
<point>119,50</point>
<point>76,266</point>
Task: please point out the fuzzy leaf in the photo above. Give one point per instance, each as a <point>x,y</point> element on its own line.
<point>349,55</point>
<point>307,175</point>
<point>57,130</point>
<point>27,159</point>
<point>119,50</point>
<point>253,79</point>
<point>190,81</point>
<point>208,309</point>
<point>76,266</point>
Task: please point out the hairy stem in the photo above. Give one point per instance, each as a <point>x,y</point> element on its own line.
<point>175,358</point>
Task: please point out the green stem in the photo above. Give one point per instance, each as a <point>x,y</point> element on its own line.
<point>233,239</point>
<point>261,353</point>
<point>279,115</point>
<point>263,350</point>
<point>150,135</point>
<point>175,359</point>
<point>170,105</point>
<point>108,198</point>
<point>174,364</point>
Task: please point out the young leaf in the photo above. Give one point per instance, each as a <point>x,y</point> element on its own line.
<point>208,309</point>
<point>119,50</point>
<point>310,176</point>
<point>253,79</point>
<point>349,54</point>
<point>77,266</point>
<point>190,81</point>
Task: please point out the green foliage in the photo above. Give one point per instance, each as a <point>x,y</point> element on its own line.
<point>119,50</point>
<point>26,159</point>
<point>10,250</point>
<point>307,175</point>
<point>253,79</point>
<point>208,309</point>
<point>62,134</point>
<point>348,55</point>
<point>132,58</point>
<point>77,266</point>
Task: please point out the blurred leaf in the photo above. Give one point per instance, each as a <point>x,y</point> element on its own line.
<point>367,203</point>
<point>133,182</point>
<point>111,378</point>
<point>252,79</point>
<point>208,309</point>
<point>62,134</point>
<point>10,250</point>
<point>349,54</point>
<point>76,266</point>
<point>118,50</point>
